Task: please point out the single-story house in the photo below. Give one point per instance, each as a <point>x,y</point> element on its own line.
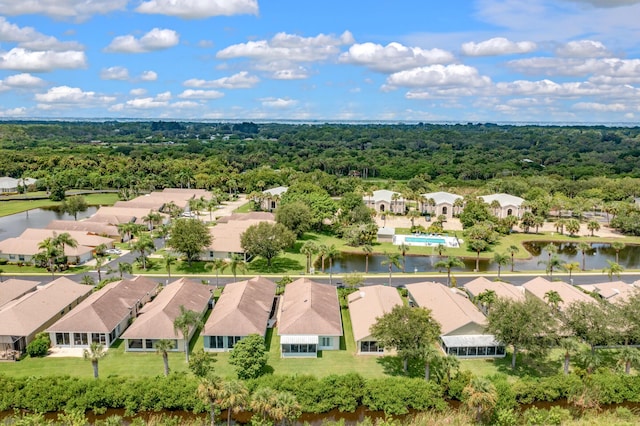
<point>384,200</point>
<point>22,318</point>
<point>614,291</point>
<point>508,205</point>
<point>309,319</point>
<point>365,306</point>
<point>441,203</point>
<point>501,289</point>
<point>569,294</point>
<point>116,215</point>
<point>87,226</point>
<point>83,238</point>
<point>155,319</point>
<point>271,198</point>
<point>157,200</point>
<point>23,250</point>
<point>462,324</point>
<point>244,308</point>
<point>10,185</point>
<point>225,235</point>
<point>104,315</point>
<point>13,288</point>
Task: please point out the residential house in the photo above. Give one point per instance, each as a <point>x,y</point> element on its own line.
<point>612,291</point>
<point>225,235</point>
<point>13,288</point>
<point>11,185</point>
<point>104,315</point>
<point>462,324</point>
<point>244,308</point>
<point>87,226</point>
<point>365,306</point>
<point>384,200</point>
<point>309,319</point>
<point>503,205</point>
<point>501,289</point>
<point>22,318</point>
<point>19,250</point>
<point>539,287</point>
<point>155,319</point>
<point>441,203</point>
<point>271,198</point>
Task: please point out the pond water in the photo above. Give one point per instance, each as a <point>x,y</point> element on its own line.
<point>15,224</point>
<point>595,259</point>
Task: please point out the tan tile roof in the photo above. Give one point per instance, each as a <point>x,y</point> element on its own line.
<point>226,236</point>
<point>30,247</point>
<point>126,214</point>
<point>448,306</point>
<point>310,308</point>
<point>612,291</point>
<point>103,310</point>
<point>89,226</point>
<point>242,309</point>
<point>368,304</point>
<point>83,238</point>
<point>539,286</point>
<point>502,289</point>
<point>156,318</point>
<point>31,312</point>
<point>261,216</point>
<point>13,288</point>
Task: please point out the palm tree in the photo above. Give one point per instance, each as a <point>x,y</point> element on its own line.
<point>142,245</point>
<point>448,263</point>
<point>187,321</point>
<point>234,396</point>
<point>628,357</point>
<point>413,215</point>
<point>126,230</point>
<point>449,363</point>
<point>287,408</point>
<point>308,249</point>
<point>87,280</point>
<point>570,346</point>
<point>163,346</point>
<point>570,267</point>
<point>169,260</point>
<point>99,264</point>
<point>553,299</point>
<point>263,401</point>
<point>209,391</point>
<point>560,224</point>
<point>367,249</point>
<point>429,354</point>
<point>152,218</point>
<point>50,251</point>
<point>332,254</point>
<point>219,265</point>
<point>480,395</point>
<point>403,248</point>
<point>64,239</point>
<point>512,252</point>
<point>94,354</point>
<point>392,259</point>
<point>593,226</point>
<point>124,267</point>
<point>322,251</point>
<point>538,221</point>
<point>554,262</point>
<point>236,262</point>
<point>478,245</point>
<point>500,260</point>
<point>613,269</point>
<point>617,246</point>
<point>486,299</point>
<point>584,247</point>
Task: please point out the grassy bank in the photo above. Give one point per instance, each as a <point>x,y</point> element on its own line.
<point>18,206</point>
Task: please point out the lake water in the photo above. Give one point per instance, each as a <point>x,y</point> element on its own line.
<point>15,224</point>
<point>595,259</point>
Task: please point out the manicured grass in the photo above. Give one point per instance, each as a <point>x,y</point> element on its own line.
<point>245,208</point>
<point>17,206</point>
<point>10,269</point>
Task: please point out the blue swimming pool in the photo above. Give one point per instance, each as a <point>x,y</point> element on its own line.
<point>425,240</point>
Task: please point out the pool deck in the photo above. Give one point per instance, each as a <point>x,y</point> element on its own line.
<point>436,240</point>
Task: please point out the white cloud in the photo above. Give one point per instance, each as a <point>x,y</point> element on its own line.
<point>570,90</point>
<point>437,75</point>
<point>393,57</point>
<point>298,73</point>
<point>138,92</point>
<point>602,70</point>
<point>148,76</point>
<point>583,49</point>
<point>199,9</point>
<point>70,97</point>
<point>23,81</point>
<point>241,80</point>
<point>60,9</point>
<point>278,103</point>
<point>599,107</point>
<point>156,39</point>
<point>607,3</point>
<point>30,39</point>
<point>13,112</point>
<point>25,60</point>
<point>200,94</point>
<point>114,73</point>
<point>497,46</point>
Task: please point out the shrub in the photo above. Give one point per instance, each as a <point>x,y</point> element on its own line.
<point>39,346</point>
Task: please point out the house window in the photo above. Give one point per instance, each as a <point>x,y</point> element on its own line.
<point>491,350</point>
<point>135,343</point>
<point>149,343</point>
<point>215,342</point>
<point>509,212</point>
<point>211,254</point>
<point>326,342</point>
<point>21,257</point>
<point>232,340</point>
<point>299,348</point>
<point>370,347</point>
<point>444,211</point>
<point>80,339</point>
<point>100,338</point>
<point>62,339</point>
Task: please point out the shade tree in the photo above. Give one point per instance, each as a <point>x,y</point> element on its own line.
<point>266,240</point>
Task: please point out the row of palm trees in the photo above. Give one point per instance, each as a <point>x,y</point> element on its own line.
<point>52,250</point>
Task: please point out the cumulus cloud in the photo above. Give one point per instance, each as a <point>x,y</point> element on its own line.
<point>278,103</point>
<point>200,94</point>
<point>156,39</point>
<point>603,70</point>
<point>79,10</point>
<point>393,57</point>
<point>29,38</point>
<point>438,75</point>
<point>562,90</point>
<point>199,9</point>
<point>114,73</point>
<point>599,107</point>
<point>23,81</point>
<point>497,46</point>
<point>583,49</point>
<point>148,76</point>
<point>138,92</point>
<point>13,112</point>
<point>607,3</point>
<point>241,80</point>
<point>20,59</point>
<point>70,97</point>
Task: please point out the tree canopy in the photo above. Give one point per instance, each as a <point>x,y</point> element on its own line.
<point>189,237</point>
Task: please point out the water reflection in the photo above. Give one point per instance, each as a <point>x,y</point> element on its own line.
<point>15,224</point>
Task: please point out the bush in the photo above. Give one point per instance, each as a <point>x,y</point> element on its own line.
<point>39,346</point>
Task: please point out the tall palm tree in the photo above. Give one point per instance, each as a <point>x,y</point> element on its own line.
<point>163,346</point>
<point>143,245</point>
<point>100,260</point>
<point>480,395</point>
<point>553,299</point>
<point>584,247</point>
<point>50,251</point>
<point>169,260</point>
<point>236,262</point>
<point>500,260</point>
<point>65,240</point>
<point>124,267</point>
<point>512,249</point>
<point>234,396</point>
<point>448,263</point>
<point>152,218</point>
<point>392,259</point>
<point>429,354</point>
<point>209,391</point>
<point>569,346</point>
<point>570,267</point>
<point>628,357</point>
<point>478,245</point>
<point>332,254</point>
<point>617,246</point>
<point>308,248</point>
<point>219,265</point>
<point>593,226</point>
<point>613,269</point>
<point>187,321</point>
<point>403,248</point>
<point>552,264</point>
<point>322,251</point>
<point>94,354</point>
<point>367,249</point>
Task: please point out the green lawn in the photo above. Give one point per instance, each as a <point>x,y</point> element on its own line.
<point>17,206</point>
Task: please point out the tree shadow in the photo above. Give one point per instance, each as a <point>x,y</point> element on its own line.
<point>527,365</point>
<point>278,265</point>
<point>197,267</point>
<point>392,366</point>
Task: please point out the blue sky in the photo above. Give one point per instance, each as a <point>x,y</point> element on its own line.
<point>409,60</point>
